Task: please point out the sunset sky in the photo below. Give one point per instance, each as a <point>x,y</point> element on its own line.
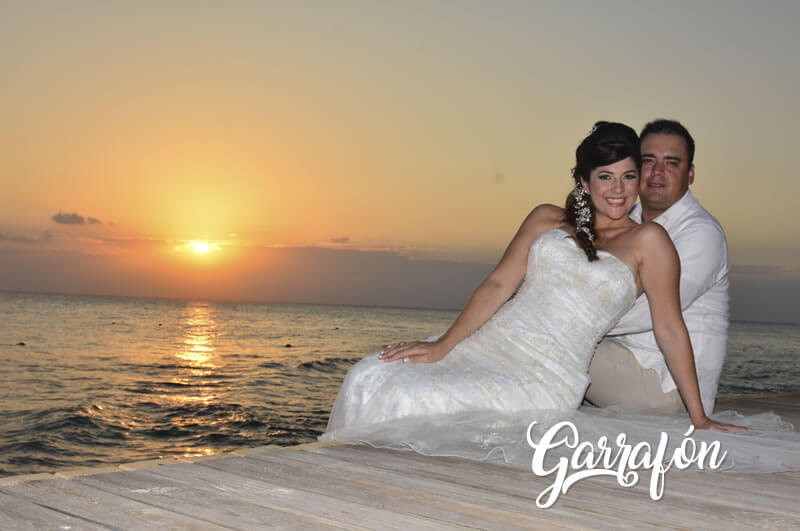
<point>370,152</point>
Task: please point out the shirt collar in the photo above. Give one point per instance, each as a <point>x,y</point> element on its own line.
<point>670,215</point>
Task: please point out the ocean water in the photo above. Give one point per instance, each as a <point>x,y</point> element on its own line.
<point>103,380</point>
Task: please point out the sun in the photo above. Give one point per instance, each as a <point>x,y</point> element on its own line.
<point>201,249</point>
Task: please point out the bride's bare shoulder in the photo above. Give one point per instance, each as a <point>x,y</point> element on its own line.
<point>651,229</point>
<point>545,215</point>
<point>651,236</point>
<point>538,221</point>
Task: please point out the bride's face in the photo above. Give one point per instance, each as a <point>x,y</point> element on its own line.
<point>613,188</point>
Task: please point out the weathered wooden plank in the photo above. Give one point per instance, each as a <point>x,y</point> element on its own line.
<point>274,496</point>
<point>85,471</point>
<point>599,495</point>
<point>13,480</point>
<point>781,488</point>
<point>711,508</point>
<point>147,463</point>
<point>104,508</point>
<point>19,513</point>
<point>447,503</point>
<point>519,492</point>
<point>203,498</point>
<point>508,508</point>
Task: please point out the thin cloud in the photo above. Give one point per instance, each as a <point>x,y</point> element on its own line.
<point>16,239</point>
<point>340,239</point>
<point>45,236</point>
<point>72,218</point>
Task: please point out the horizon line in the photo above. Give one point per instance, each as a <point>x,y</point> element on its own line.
<point>295,303</point>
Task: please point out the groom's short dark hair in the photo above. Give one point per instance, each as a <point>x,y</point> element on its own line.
<point>670,127</point>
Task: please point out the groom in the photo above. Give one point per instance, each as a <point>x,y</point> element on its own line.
<point>628,368</point>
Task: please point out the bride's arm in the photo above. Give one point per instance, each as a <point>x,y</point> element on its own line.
<point>489,296</point>
<point>659,273</point>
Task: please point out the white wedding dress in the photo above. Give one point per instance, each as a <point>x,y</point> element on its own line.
<point>528,362</point>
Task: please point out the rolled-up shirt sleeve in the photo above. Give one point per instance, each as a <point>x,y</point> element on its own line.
<point>704,260</point>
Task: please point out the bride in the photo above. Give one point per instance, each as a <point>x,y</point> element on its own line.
<point>525,338</point>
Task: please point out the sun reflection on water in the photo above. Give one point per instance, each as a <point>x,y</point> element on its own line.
<point>195,383</point>
<point>197,356</point>
<point>198,339</point>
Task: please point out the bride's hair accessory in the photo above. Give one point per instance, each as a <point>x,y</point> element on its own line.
<point>580,214</point>
<point>583,214</point>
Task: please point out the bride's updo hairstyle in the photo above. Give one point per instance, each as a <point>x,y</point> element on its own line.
<point>607,143</point>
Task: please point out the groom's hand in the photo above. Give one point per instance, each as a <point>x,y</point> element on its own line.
<point>711,425</point>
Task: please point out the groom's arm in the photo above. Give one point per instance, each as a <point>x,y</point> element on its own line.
<point>703,254</point>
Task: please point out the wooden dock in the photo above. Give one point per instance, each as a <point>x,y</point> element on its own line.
<point>319,486</point>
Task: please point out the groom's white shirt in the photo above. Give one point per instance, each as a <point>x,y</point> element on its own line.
<point>703,251</point>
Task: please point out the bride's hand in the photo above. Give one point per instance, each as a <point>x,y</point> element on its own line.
<point>711,425</point>
<point>414,352</point>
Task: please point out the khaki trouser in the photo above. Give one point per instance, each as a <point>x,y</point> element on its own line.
<point>618,379</point>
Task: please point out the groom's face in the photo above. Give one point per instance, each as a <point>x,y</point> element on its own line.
<point>666,172</point>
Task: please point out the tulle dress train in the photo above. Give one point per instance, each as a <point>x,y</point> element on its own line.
<point>529,363</point>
